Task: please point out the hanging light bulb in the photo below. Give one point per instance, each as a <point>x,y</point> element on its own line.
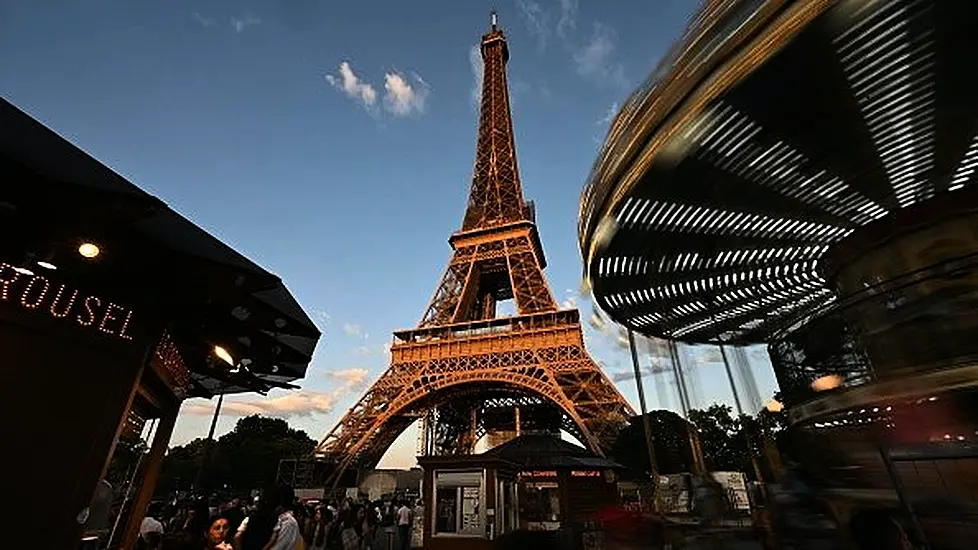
<point>223,355</point>
<point>89,250</point>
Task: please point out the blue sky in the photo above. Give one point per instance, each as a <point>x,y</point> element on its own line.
<point>346,180</point>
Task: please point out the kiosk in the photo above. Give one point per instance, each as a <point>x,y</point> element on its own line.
<point>113,309</point>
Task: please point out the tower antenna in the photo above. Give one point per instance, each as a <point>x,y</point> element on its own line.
<point>493,19</point>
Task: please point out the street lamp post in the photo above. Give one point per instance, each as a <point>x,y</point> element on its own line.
<point>208,445</point>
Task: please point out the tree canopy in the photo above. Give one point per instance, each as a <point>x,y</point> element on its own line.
<point>728,442</point>
<point>670,439</point>
<point>243,459</point>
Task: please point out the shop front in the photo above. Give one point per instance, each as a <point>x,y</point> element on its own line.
<point>468,501</point>
<point>533,483</point>
<point>113,310</point>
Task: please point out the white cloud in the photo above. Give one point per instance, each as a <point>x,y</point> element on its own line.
<point>291,404</point>
<point>363,350</point>
<point>570,302</point>
<point>596,59</point>
<point>475,63</point>
<point>404,98</point>
<point>403,95</point>
<point>707,354</point>
<point>243,22</point>
<point>204,21</point>
<point>536,19</point>
<point>609,115</point>
<point>349,379</point>
<point>320,317</point>
<point>568,18</point>
<point>355,88</point>
<point>287,404</point>
<point>354,330</point>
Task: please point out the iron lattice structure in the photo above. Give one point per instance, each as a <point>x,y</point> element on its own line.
<point>459,346</point>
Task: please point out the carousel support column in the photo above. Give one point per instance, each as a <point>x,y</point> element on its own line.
<point>730,379</point>
<point>740,413</point>
<point>209,444</point>
<point>646,423</point>
<point>699,464</point>
<point>153,461</point>
<point>680,378</point>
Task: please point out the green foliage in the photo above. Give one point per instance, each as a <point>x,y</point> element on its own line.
<point>243,459</point>
<point>124,461</point>
<point>724,449</point>
<point>671,444</point>
<point>728,443</point>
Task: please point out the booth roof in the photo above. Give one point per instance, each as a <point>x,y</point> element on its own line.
<point>543,452</point>
<point>209,294</point>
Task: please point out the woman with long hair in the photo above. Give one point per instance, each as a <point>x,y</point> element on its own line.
<point>322,520</point>
<point>369,528</point>
<point>217,533</point>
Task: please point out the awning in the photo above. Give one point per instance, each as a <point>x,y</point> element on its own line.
<point>55,195</point>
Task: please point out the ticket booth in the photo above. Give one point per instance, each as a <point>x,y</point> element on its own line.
<point>531,483</point>
<point>468,501</point>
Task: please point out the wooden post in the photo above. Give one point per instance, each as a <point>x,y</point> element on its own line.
<point>152,463</point>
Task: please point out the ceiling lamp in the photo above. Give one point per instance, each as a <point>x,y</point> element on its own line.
<point>827,382</point>
<point>89,250</point>
<point>223,355</point>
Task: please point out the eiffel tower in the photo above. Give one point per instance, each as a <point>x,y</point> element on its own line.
<point>461,355</point>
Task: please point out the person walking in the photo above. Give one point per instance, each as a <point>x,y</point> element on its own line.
<point>404,522</point>
<point>285,534</point>
<point>151,527</point>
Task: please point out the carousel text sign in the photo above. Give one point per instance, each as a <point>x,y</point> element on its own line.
<point>41,295</point>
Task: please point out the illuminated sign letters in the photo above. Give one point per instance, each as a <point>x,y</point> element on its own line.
<point>40,294</point>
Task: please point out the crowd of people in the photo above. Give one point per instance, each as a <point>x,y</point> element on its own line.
<point>278,521</point>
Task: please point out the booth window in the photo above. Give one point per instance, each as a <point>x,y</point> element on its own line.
<point>506,506</point>
<point>457,499</point>
<point>541,502</point>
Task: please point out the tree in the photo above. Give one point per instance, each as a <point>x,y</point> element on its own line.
<point>731,444</point>
<point>718,430</point>
<point>125,460</point>
<point>180,467</point>
<point>670,440</point>
<point>243,459</point>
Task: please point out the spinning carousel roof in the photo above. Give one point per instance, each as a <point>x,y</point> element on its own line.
<point>772,131</point>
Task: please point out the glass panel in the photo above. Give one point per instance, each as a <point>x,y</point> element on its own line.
<point>458,498</point>
<point>542,502</point>
<point>509,506</point>
<point>459,479</point>
<point>446,510</point>
<point>471,521</point>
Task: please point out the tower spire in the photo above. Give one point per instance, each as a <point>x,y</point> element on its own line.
<point>496,196</point>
